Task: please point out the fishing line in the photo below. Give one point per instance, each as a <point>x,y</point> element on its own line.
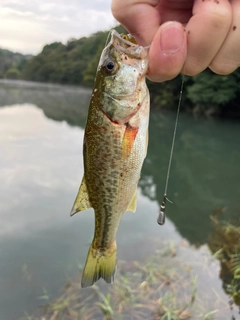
<point>161,216</point>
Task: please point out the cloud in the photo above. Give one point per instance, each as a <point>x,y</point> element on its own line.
<point>26,26</point>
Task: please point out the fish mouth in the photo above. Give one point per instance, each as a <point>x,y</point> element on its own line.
<point>131,49</point>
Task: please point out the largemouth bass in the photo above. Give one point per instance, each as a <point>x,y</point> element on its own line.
<point>115,145</point>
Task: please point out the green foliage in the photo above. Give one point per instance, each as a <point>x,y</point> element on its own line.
<point>90,72</point>
<point>73,63</point>
<point>166,94</point>
<point>11,64</point>
<point>226,247</point>
<point>209,89</point>
<point>12,73</point>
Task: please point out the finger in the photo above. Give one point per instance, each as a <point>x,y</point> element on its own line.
<point>228,57</point>
<point>207,30</point>
<point>139,17</point>
<point>167,52</point>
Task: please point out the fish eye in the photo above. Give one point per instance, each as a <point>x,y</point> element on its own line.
<point>110,66</point>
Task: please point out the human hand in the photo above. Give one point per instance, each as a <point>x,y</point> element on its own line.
<point>185,35</point>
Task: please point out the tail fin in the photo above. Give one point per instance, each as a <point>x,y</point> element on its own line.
<point>99,264</point>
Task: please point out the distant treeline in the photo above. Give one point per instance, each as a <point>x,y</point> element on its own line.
<point>12,64</point>
<point>76,62</point>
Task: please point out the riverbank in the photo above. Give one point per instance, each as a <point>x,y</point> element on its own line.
<point>167,285</point>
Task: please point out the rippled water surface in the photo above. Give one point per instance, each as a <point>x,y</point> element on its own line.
<point>41,134</point>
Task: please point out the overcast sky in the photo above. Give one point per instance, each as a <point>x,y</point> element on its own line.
<point>27,25</point>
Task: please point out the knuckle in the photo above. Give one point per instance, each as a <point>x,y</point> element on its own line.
<point>191,72</point>
<point>192,69</point>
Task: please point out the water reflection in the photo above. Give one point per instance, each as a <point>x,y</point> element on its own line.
<point>60,103</point>
<point>41,167</point>
<point>205,171</point>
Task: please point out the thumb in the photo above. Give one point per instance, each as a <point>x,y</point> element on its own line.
<point>168,52</point>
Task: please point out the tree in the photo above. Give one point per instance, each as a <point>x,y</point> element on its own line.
<point>12,73</point>
<point>211,90</point>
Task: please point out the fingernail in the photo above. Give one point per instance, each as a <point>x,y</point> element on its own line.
<point>171,37</point>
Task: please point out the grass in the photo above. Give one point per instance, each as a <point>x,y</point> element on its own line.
<point>225,244</point>
<point>162,288</point>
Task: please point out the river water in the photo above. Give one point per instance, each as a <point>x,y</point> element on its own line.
<point>41,134</point>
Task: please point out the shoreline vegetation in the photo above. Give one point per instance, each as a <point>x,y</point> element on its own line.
<point>225,246</point>
<point>75,63</point>
<point>164,287</point>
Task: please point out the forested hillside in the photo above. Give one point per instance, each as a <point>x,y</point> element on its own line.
<point>73,63</point>
<point>12,64</point>
<point>76,61</point>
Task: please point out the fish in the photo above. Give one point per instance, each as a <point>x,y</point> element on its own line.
<point>114,148</point>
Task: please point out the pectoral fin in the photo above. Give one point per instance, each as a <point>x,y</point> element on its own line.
<point>133,204</point>
<point>82,200</point>
<point>128,140</point>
